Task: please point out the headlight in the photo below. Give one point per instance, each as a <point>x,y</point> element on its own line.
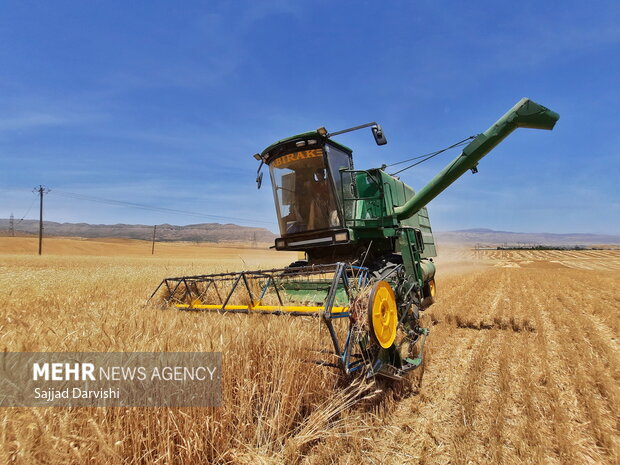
<point>341,237</point>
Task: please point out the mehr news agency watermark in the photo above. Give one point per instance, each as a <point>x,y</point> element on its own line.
<point>110,379</point>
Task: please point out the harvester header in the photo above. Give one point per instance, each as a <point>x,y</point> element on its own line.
<point>368,244</point>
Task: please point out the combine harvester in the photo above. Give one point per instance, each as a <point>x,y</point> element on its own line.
<point>368,245</point>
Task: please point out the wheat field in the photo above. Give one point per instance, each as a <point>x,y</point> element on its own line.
<point>522,366</point>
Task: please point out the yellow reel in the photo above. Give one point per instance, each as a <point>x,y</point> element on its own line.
<point>383,314</point>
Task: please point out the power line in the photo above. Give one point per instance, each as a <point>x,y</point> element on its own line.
<point>175,211</point>
<point>28,211</point>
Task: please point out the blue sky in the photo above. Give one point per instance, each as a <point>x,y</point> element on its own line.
<point>163,104</point>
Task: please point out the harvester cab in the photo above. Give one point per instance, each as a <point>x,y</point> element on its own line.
<point>368,244</point>
<point>332,212</point>
<point>306,181</point>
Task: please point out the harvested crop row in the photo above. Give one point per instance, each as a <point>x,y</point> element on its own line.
<point>529,373</point>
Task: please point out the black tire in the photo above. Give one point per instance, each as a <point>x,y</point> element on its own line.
<point>293,266</point>
<point>298,264</point>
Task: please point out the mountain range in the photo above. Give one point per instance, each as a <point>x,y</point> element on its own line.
<point>490,237</point>
<point>216,232</point>
<point>204,232</point>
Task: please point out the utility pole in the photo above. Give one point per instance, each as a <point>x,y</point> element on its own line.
<point>41,190</point>
<point>12,226</point>
<point>153,246</point>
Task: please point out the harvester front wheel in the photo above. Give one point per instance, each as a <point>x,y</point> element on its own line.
<point>429,293</point>
<point>383,314</point>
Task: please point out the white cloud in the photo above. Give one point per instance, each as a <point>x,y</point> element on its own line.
<point>31,120</point>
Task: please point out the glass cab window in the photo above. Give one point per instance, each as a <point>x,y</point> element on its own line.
<point>304,192</point>
<point>337,159</point>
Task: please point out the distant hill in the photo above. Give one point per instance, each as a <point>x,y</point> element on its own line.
<point>490,237</point>
<point>204,232</point>
<point>216,232</point>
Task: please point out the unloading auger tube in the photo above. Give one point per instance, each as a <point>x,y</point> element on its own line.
<point>525,114</point>
<point>366,236</point>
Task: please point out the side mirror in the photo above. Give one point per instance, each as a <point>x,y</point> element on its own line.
<point>377,132</point>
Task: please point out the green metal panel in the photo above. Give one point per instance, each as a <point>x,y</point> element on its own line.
<point>314,291</point>
<point>370,192</point>
<point>424,224</point>
<point>411,256</point>
<point>364,195</point>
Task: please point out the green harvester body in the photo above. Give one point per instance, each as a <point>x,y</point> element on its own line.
<point>375,215</point>
<point>368,244</point>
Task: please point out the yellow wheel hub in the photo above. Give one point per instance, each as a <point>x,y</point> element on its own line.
<point>383,315</point>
